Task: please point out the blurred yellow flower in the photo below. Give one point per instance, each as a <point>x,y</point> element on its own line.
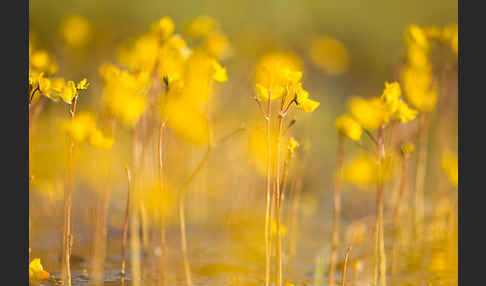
<point>187,120</point>
<point>419,89</point>
<point>124,93</point>
<point>329,54</point>
<point>272,71</point>
<point>414,35</point>
<point>140,54</point>
<point>37,272</point>
<point>163,27</point>
<point>41,61</point>
<point>370,113</point>
<point>292,144</point>
<point>450,166</point>
<point>155,200</point>
<point>75,30</point>
<point>349,127</point>
<point>391,96</point>
<point>201,27</point>
<point>407,148</point>
<point>404,113</point>
<point>217,45</point>
<point>82,128</point>
<point>361,171</point>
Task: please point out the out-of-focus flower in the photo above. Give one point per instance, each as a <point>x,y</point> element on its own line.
<point>407,148</point>
<point>370,113</point>
<point>419,89</point>
<point>187,120</point>
<point>391,96</point>
<point>271,73</point>
<point>450,166</point>
<point>292,144</point>
<point>37,272</point>
<point>330,55</point>
<point>41,61</point>
<point>163,27</point>
<point>75,30</point>
<point>217,45</point>
<point>404,113</point>
<point>140,54</point>
<point>414,35</point>
<point>349,127</point>
<point>82,128</point>
<point>124,93</point>
<point>156,200</point>
<point>201,27</point>
<point>362,171</point>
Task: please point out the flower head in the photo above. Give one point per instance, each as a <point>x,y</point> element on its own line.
<point>163,27</point>
<point>75,30</point>
<point>37,272</point>
<point>349,127</point>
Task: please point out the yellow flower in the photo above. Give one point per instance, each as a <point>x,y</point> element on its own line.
<point>414,35</point>
<point>304,102</point>
<point>201,27</point>
<point>140,54</point>
<point>83,84</point>
<point>432,32</point>
<point>407,148</point>
<point>171,60</point>
<point>124,93</point>
<point>404,113</point>
<point>75,30</point>
<point>41,61</point>
<point>419,89</point>
<point>57,88</point>
<point>391,96</point>
<point>218,72</point>
<point>217,45</point>
<point>330,54</point>
<point>155,200</point>
<point>450,166</point>
<point>187,120</point>
<point>349,127</point>
<point>82,128</point>
<point>36,271</point>
<point>272,73</point>
<point>292,144</point>
<point>370,114</point>
<point>164,27</point>
<point>362,171</point>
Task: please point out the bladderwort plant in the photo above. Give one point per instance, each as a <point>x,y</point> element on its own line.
<point>376,115</point>
<point>277,79</point>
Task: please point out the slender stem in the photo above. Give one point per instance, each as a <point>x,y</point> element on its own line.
<point>345,267</point>
<point>134,225</point>
<point>163,246</point>
<point>379,208</point>
<point>182,223</point>
<point>397,213</point>
<point>278,203</point>
<point>67,235</point>
<point>100,236</point>
<point>401,192</point>
<point>268,194</point>
<point>420,176</point>
<point>125,224</point>
<point>336,214</point>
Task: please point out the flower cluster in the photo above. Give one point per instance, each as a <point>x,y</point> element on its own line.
<point>42,67</point>
<point>371,114</point>
<point>83,128</point>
